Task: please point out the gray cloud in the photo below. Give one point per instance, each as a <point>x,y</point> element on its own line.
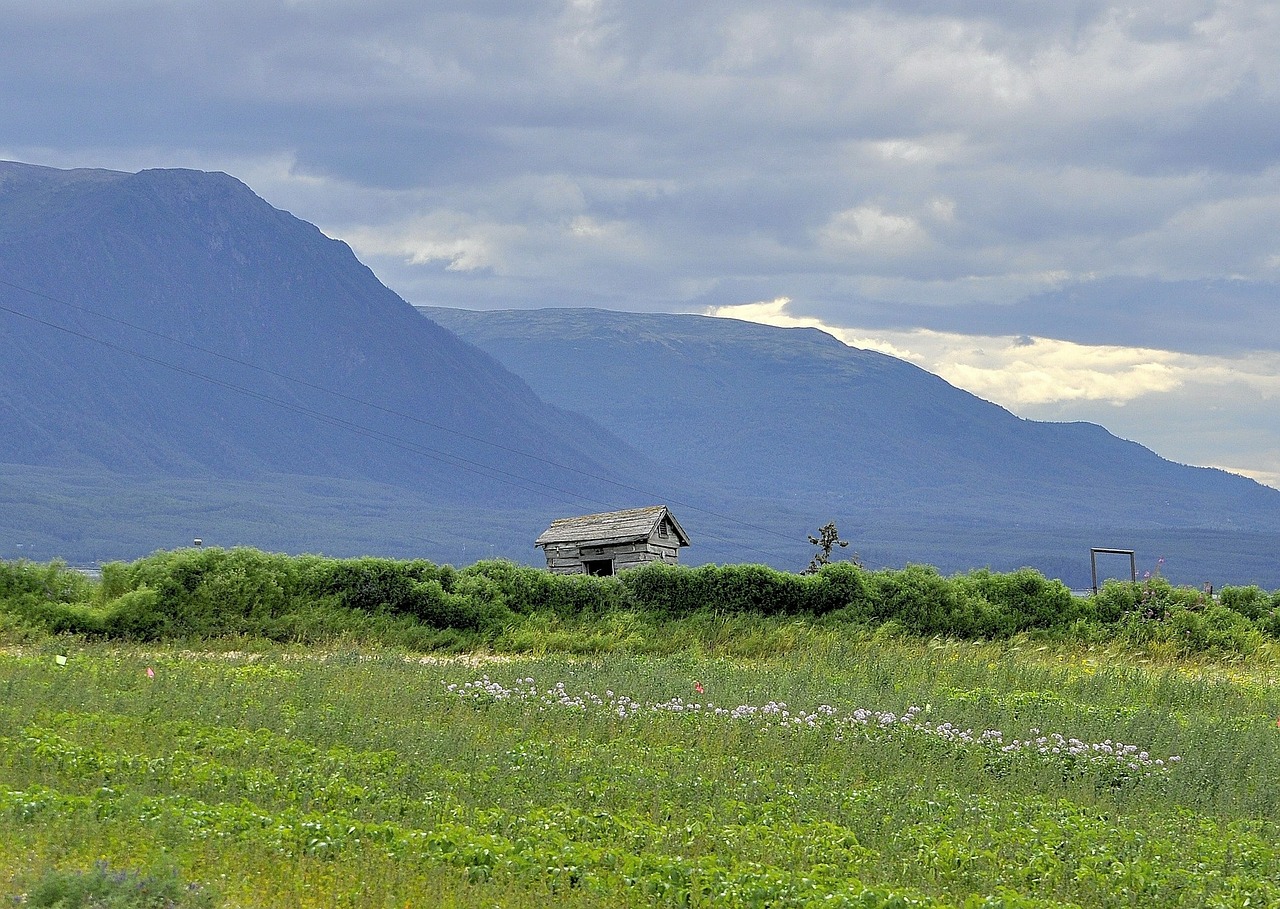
<point>1216,316</point>
<point>1098,172</point>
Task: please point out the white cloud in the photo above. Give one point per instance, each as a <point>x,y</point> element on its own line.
<point>1118,387</point>
<point>1012,371</point>
<point>1265,477</point>
<point>869,229</point>
<point>461,242</point>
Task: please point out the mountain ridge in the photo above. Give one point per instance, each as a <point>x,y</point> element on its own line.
<point>794,416</point>
<point>169,418</point>
<point>243,297</point>
<point>184,298</point>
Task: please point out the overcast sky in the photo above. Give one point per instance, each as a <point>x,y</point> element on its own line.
<point>1069,208</point>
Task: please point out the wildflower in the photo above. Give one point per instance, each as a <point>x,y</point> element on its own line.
<point>1051,746</point>
<point>150,673</point>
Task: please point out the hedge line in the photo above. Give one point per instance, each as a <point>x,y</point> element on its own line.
<point>207,593</point>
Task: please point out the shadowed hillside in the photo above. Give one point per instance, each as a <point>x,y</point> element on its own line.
<point>182,360</point>
<point>794,421</point>
<point>190,301</point>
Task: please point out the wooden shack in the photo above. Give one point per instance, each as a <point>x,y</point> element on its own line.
<point>604,544</point>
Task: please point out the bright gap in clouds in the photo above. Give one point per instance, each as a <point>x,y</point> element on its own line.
<point>1203,410</point>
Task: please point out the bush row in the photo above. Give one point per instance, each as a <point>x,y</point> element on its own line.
<point>205,593</point>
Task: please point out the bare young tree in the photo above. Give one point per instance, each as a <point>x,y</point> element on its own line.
<point>828,539</point>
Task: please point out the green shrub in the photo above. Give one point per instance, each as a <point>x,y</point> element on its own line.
<point>663,589</point>
<point>479,604</point>
<point>58,618</point>
<point>1269,622</point>
<point>103,888</point>
<point>371,584</point>
<point>137,615</point>
<point>116,580</point>
<point>208,593</point>
<point>1115,600</point>
<point>528,590</point>
<point>675,591</point>
<point>53,581</point>
<point>1021,600</point>
<point>841,585</point>
<point>751,588</point>
<point>1152,599</point>
<point>212,592</point>
<point>925,603</point>
<point>1230,632</point>
<point>1252,602</point>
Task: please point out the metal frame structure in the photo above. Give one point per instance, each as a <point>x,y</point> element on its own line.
<point>1093,562</point>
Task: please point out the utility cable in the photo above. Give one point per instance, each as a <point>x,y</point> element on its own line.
<point>393,412</point>
<point>434,454</point>
<point>452,460</point>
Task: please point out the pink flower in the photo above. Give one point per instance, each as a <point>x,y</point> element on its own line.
<point>150,673</point>
<point>697,686</point>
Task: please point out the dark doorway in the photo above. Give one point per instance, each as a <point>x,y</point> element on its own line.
<point>600,568</point>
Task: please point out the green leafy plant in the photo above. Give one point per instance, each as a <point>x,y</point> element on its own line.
<point>101,887</point>
<point>208,594</point>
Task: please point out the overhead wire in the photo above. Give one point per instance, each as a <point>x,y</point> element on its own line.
<point>488,471</point>
<point>433,454</point>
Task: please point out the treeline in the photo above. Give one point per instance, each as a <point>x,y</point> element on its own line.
<point>213,593</point>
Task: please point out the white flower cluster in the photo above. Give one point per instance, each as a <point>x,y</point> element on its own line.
<point>1106,755</point>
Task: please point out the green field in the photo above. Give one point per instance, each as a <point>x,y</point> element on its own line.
<point>845,771</point>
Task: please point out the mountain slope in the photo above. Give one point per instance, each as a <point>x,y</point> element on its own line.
<point>792,420</point>
<point>181,302</point>
<point>182,360</point>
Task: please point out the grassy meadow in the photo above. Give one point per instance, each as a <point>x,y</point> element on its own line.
<point>810,767</point>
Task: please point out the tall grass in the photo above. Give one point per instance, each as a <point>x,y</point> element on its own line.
<point>288,776</point>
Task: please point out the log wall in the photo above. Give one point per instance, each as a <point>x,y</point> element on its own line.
<point>567,558</point>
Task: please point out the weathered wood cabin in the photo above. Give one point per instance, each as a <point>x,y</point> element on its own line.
<point>604,544</point>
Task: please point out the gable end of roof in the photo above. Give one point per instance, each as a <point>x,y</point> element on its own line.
<point>611,527</point>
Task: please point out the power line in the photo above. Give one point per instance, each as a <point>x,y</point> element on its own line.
<point>306,384</point>
<point>451,460</point>
<point>391,411</point>
<point>485,470</point>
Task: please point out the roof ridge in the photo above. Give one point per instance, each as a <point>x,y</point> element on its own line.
<point>620,526</point>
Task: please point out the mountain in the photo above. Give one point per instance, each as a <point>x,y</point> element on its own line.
<point>171,327</point>
<point>790,425</point>
<point>181,360</point>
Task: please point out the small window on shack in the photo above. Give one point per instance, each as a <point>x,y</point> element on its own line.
<point>662,529</point>
<point>600,568</point>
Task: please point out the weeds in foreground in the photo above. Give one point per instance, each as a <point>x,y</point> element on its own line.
<point>101,887</point>
<point>290,777</point>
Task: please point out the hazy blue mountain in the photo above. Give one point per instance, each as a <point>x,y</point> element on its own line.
<point>178,359</point>
<point>169,285</point>
<point>790,424</point>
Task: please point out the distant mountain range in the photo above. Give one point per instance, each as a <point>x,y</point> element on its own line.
<point>182,360</point>
<point>779,423</point>
<point>171,325</point>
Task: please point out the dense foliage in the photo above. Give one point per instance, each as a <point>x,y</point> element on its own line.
<point>851,773</point>
<point>102,887</point>
<point>209,593</point>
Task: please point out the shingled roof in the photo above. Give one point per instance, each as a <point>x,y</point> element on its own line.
<point>610,527</point>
